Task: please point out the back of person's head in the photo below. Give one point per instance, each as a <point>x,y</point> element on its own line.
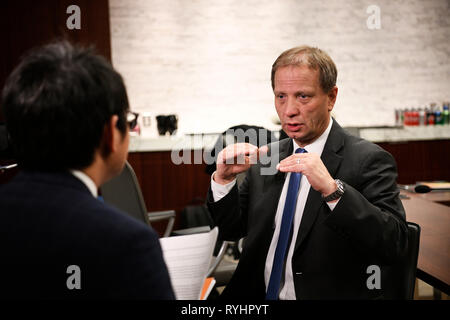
<point>314,58</point>
<point>57,103</point>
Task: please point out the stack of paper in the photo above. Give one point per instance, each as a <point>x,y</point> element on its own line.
<point>188,259</point>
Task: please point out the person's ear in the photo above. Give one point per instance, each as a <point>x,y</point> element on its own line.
<point>111,136</point>
<point>332,95</point>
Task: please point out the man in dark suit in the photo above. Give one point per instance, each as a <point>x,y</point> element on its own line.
<point>68,117</point>
<point>322,237</point>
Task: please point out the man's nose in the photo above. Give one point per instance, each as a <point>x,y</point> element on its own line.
<point>291,108</point>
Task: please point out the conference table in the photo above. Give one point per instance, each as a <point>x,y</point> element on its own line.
<point>433,217</point>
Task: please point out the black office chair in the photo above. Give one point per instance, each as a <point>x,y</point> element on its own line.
<point>399,280</point>
<point>124,192</point>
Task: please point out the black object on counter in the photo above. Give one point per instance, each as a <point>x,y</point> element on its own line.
<point>167,123</point>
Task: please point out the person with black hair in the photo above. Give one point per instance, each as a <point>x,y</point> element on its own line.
<point>68,118</point>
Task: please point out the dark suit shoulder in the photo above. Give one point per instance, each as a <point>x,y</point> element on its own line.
<point>361,149</point>
<point>60,207</point>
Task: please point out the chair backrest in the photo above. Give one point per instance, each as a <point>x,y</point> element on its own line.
<point>124,193</point>
<point>399,280</point>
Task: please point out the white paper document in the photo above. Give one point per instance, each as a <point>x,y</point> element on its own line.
<point>188,258</point>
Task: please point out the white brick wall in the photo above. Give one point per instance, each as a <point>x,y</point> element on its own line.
<point>209,61</point>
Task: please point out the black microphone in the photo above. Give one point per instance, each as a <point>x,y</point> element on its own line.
<point>421,188</point>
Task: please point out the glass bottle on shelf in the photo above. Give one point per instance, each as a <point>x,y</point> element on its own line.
<point>445,114</point>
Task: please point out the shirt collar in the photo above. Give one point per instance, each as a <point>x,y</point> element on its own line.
<point>83,177</point>
<point>318,144</point>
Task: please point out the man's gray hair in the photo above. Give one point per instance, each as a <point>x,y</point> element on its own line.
<point>313,58</point>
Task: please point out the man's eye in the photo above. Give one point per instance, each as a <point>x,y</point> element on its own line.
<point>303,96</point>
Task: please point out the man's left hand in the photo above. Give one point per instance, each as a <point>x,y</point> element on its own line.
<point>312,167</point>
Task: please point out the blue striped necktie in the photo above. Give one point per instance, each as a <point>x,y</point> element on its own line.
<point>285,234</point>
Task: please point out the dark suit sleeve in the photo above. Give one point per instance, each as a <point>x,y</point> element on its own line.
<point>371,215</point>
<point>230,212</point>
<point>141,272</point>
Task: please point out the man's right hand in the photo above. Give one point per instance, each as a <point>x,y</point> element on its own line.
<point>234,159</point>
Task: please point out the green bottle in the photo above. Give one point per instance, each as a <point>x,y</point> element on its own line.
<point>445,115</point>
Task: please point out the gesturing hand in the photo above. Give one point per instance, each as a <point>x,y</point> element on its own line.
<point>234,159</point>
<point>312,167</point>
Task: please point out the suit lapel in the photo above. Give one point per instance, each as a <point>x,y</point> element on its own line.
<point>332,161</point>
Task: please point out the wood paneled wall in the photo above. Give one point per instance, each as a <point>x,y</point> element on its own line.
<point>25,24</point>
<point>420,160</point>
<point>166,186</point>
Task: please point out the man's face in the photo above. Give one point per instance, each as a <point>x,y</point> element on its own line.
<point>302,106</point>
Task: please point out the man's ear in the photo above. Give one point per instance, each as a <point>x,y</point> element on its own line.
<point>111,136</point>
<point>332,95</point>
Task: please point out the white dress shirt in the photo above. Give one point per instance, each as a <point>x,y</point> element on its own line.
<point>287,291</point>
<point>83,177</point>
